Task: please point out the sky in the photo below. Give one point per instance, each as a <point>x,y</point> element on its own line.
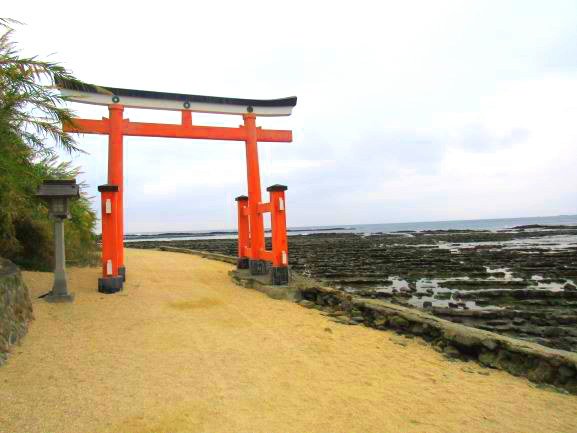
<point>407,111</point>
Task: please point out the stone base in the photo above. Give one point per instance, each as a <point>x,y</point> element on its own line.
<point>242,263</point>
<point>279,276</point>
<point>56,299</point>
<point>122,272</point>
<point>258,267</point>
<point>243,278</point>
<point>110,285</point>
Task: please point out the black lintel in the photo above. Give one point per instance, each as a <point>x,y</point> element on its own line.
<point>90,88</point>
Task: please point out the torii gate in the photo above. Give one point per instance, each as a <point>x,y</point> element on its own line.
<point>251,244</point>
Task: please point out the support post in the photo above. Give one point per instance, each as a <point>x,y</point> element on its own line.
<point>116,177</point>
<point>111,281</point>
<point>59,291</point>
<point>280,274</point>
<point>256,264</point>
<point>243,232</point>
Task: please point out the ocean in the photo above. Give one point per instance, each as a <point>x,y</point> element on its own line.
<point>482,224</point>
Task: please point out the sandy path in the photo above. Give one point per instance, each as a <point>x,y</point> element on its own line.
<point>185,350</point>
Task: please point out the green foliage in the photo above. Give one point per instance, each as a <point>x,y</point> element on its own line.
<point>31,106</point>
<point>31,116</point>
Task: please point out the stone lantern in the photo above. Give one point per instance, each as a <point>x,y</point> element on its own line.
<point>57,194</point>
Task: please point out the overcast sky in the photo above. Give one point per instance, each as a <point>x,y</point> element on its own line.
<point>407,110</point>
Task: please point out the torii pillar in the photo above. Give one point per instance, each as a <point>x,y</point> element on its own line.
<point>257,266</point>
<point>116,177</point>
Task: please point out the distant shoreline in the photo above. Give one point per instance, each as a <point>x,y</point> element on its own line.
<point>495,224</point>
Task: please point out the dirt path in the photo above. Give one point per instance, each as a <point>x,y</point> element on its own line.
<point>185,350</point>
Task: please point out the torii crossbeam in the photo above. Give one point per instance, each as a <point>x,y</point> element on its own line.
<point>252,253</point>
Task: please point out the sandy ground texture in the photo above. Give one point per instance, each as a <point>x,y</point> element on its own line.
<point>182,349</point>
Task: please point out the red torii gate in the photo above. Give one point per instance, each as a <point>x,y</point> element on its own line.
<point>251,244</point>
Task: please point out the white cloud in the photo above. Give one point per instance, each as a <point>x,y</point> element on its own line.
<point>412,110</point>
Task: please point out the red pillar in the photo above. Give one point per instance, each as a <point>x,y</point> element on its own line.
<point>110,282</point>
<point>243,232</point>
<point>116,176</point>
<point>279,235</point>
<point>257,266</point>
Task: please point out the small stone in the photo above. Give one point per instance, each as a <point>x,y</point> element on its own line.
<point>565,372</point>
<point>427,304</point>
<point>307,304</point>
<point>451,352</point>
<point>569,287</point>
<point>398,322</point>
<point>488,359</point>
<point>337,313</point>
<point>399,342</point>
<point>329,330</point>
<point>343,320</point>
<point>489,344</point>
<point>380,322</point>
<point>542,374</point>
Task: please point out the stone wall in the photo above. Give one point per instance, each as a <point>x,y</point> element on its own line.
<point>538,363</point>
<point>15,307</point>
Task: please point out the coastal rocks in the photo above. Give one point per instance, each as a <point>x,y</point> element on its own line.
<point>538,363</point>
<point>15,308</point>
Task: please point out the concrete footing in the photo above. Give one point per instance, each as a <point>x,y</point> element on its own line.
<point>258,267</point>
<point>55,298</point>
<point>110,285</point>
<point>242,263</point>
<point>279,276</point>
<point>122,272</point>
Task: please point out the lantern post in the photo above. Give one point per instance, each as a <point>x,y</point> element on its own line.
<point>57,194</point>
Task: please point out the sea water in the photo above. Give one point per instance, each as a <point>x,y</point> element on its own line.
<point>482,224</point>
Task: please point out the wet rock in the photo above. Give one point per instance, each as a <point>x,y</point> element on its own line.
<point>497,322</point>
<point>554,332</point>
<point>569,287</point>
